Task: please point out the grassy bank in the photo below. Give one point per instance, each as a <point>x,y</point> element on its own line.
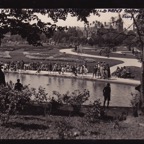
<point>30,126</point>
<point>136,71</point>
<point>93,52</point>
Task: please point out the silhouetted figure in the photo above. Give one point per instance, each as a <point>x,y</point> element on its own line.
<point>18,85</point>
<point>138,88</point>
<point>2,77</point>
<point>133,51</point>
<point>50,67</point>
<point>74,70</point>
<point>108,70</point>
<point>100,52</point>
<point>75,47</point>
<point>107,94</point>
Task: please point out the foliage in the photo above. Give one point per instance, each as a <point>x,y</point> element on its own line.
<point>64,129</point>
<point>75,99</point>
<point>95,112</point>
<point>12,101</point>
<point>72,35</point>
<point>27,24</point>
<point>42,98</point>
<point>135,103</point>
<point>135,99</point>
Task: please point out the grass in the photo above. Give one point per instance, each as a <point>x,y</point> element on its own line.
<point>38,127</point>
<point>18,55</point>
<point>93,52</point>
<point>5,54</point>
<point>136,71</point>
<point>39,54</point>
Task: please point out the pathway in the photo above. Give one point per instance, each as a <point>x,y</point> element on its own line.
<point>126,61</point>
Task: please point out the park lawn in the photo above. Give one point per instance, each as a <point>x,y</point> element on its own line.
<point>93,52</point>
<point>38,127</point>
<point>136,71</point>
<point>17,55</point>
<point>28,47</point>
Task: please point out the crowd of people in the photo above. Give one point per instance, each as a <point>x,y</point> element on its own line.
<point>123,72</point>
<point>51,67</point>
<point>100,69</point>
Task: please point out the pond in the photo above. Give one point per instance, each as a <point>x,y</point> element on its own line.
<point>120,93</point>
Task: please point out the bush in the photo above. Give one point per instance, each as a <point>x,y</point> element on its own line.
<point>95,112</point>
<point>12,101</point>
<point>64,129</point>
<point>75,99</point>
<point>135,103</point>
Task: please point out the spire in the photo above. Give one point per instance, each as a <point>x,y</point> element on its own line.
<point>120,19</point>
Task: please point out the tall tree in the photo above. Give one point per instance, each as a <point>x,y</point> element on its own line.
<point>20,21</point>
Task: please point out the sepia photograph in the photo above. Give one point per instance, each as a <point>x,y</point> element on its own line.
<point>71,73</point>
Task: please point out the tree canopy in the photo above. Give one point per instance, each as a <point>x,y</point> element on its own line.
<point>20,21</point>
<point>27,24</point>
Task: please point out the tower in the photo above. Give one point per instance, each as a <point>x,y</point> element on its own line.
<point>119,24</point>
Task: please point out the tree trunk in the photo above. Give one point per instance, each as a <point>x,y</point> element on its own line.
<point>142,49</point>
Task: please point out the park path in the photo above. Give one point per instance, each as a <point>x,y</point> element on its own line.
<point>126,61</point>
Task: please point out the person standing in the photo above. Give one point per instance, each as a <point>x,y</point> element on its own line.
<point>136,101</point>
<point>101,70</point>
<point>50,67</point>
<point>108,71</point>
<point>107,94</point>
<point>2,77</point>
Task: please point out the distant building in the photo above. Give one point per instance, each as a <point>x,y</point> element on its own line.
<point>93,28</point>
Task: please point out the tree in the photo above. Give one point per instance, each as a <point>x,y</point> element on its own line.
<point>130,40</point>
<point>19,21</point>
<point>139,24</point>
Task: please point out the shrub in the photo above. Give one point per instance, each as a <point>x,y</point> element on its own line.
<point>49,103</point>
<point>95,112</point>
<point>12,101</point>
<point>64,129</point>
<point>75,99</point>
<point>135,103</point>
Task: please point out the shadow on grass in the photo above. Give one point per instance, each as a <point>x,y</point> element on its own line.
<point>32,118</point>
<point>38,110</point>
<point>58,112</point>
<point>25,127</point>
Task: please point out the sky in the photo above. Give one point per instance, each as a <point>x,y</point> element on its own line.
<point>104,17</point>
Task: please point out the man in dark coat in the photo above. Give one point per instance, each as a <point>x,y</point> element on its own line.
<point>2,77</point>
<point>107,94</point>
<point>18,85</point>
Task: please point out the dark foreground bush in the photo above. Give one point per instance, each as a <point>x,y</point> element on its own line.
<point>75,99</point>
<point>12,101</point>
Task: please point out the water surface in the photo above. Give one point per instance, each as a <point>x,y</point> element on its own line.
<point>120,93</point>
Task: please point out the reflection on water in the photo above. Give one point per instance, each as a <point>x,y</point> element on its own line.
<point>120,93</point>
